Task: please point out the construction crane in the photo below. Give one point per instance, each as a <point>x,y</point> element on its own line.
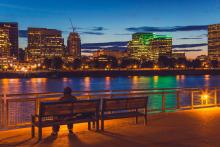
<point>74,28</point>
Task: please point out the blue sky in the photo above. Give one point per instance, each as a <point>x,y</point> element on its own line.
<point>114,20</point>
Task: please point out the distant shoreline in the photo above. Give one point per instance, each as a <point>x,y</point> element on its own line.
<point>111,73</point>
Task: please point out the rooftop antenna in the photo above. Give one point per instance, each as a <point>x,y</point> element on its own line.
<point>74,28</point>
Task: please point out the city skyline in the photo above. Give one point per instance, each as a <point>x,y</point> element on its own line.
<point>112,21</point>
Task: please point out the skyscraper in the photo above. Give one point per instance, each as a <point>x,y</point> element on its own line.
<point>214,41</point>
<point>13,36</point>
<point>44,43</point>
<point>74,45</point>
<point>4,43</point>
<point>149,46</point>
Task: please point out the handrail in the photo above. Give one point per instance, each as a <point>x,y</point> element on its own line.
<point>101,91</point>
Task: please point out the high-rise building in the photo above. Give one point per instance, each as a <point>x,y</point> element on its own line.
<point>44,43</point>
<point>4,43</point>
<point>214,41</point>
<point>149,46</point>
<point>74,45</point>
<point>13,36</point>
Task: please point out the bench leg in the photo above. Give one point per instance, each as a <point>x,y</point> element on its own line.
<point>145,120</point>
<point>93,124</point>
<point>32,126</point>
<point>145,116</point>
<point>136,120</point>
<point>39,133</point>
<point>32,131</point>
<point>102,124</point>
<point>97,125</point>
<point>89,125</point>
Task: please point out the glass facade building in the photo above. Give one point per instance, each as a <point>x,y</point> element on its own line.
<point>74,45</point>
<point>149,46</point>
<point>44,43</point>
<point>12,28</point>
<point>214,42</point>
<point>4,43</point>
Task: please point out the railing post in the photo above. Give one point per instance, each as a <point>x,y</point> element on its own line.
<point>5,113</point>
<point>178,100</point>
<point>192,100</point>
<point>215,97</point>
<point>1,112</point>
<point>163,102</point>
<point>37,103</point>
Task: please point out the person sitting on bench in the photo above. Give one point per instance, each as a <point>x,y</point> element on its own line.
<point>68,97</point>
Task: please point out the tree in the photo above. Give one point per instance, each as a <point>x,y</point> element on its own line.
<point>129,62</point>
<point>147,64</point>
<point>57,63</point>
<point>196,63</point>
<point>76,63</point>
<point>214,63</point>
<point>165,61</point>
<point>47,63</point>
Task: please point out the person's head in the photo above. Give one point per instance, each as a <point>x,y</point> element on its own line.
<point>67,91</point>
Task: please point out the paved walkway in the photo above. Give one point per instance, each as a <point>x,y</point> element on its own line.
<point>199,127</point>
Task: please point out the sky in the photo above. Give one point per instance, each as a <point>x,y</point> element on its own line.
<point>100,21</point>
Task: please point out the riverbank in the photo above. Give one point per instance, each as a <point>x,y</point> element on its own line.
<point>111,73</point>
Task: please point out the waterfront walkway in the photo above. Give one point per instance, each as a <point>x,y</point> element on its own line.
<point>199,127</point>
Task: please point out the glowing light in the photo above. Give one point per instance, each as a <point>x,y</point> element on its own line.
<point>135,66</point>
<point>204,98</point>
<point>156,67</point>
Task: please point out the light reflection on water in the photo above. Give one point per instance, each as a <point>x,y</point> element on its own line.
<point>105,83</point>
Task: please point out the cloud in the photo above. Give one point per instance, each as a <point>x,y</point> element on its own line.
<point>122,34</point>
<point>187,50</point>
<point>120,45</point>
<point>23,33</point>
<point>190,38</point>
<point>189,45</point>
<point>92,33</point>
<point>97,29</point>
<point>168,29</point>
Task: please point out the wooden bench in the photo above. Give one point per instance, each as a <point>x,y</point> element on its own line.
<point>123,108</point>
<point>71,112</point>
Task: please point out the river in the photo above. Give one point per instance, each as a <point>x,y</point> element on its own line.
<point>105,83</point>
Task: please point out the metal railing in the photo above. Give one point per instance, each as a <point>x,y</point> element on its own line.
<point>16,109</point>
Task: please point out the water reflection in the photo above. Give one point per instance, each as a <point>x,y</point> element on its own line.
<point>105,83</point>
<point>87,83</point>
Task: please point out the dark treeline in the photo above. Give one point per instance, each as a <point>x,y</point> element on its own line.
<point>106,62</point>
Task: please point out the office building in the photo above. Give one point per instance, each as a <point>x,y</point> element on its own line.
<point>4,43</point>
<point>149,46</point>
<point>214,42</point>
<point>44,43</point>
<point>74,45</point>
<point>13,36</point>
